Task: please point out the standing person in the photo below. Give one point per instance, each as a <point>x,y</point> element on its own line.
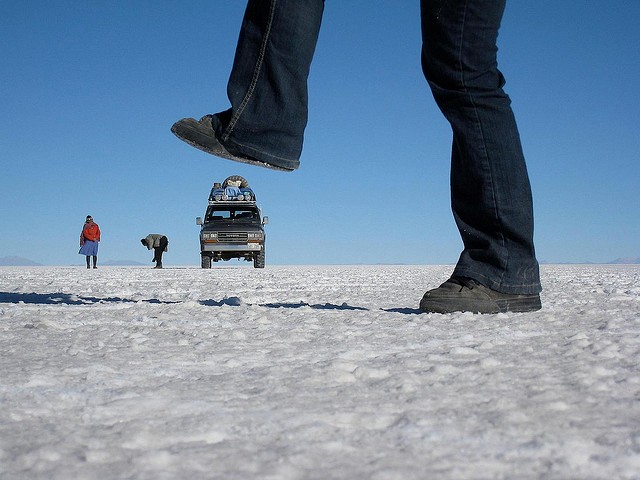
<point>89,239</point>
<point>490,191</point>
<point>159,243</point>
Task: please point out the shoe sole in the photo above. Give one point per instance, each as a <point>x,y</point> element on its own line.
<point>521,304</point>
<point>527,303</point>
<point>190,131</point>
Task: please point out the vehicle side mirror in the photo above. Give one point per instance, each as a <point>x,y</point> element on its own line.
<point>265,220</point>
<point>198,220</point>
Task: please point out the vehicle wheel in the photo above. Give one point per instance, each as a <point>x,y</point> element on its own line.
<point>258,260</point>
<point>205,261</point>
<point>235,178</point>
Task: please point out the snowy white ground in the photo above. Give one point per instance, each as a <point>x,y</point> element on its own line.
<point>322,372</point>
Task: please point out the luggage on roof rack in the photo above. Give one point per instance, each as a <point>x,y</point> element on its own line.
<point>234,188</point>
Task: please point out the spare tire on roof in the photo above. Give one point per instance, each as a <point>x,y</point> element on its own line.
<point>235,178</point>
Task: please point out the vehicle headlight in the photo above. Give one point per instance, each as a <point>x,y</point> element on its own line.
<point>255,236</point>
<point>210,236</point>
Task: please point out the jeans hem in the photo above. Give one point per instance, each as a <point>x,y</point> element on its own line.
<point>499,286</point>
<point>262,156</point>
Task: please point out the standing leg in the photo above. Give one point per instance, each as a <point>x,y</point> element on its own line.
<point>267,87</point>
<point>88,259</point>
<point>490,191</point>
<point>95,261</point>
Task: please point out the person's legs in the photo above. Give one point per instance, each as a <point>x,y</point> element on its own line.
<point>267,87</point>
<point>490,191</point>
<point>157,256</point>
<point>88,258</point>
<point>95,261</point>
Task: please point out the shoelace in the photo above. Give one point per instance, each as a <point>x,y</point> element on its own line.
<point>467,282</point>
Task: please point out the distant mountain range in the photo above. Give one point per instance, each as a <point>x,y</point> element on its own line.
<point>18,262</point>
<point>626,260</point>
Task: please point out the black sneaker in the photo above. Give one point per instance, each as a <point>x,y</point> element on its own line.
<point>462,294</point>
<point>201,135</point>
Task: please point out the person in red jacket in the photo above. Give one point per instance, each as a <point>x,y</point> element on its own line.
<point>89,239</point>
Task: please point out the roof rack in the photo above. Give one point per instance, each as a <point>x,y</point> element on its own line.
<point>234,189</point>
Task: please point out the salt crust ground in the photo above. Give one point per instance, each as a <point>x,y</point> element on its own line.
<point>321,372</point>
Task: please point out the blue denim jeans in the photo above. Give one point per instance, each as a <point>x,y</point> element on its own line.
<point>490,190</point>
<point>268,83</point>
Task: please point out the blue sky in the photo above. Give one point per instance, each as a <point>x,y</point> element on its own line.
<point>89,91</point>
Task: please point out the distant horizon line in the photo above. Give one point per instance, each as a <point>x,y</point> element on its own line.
<point>13,261</point>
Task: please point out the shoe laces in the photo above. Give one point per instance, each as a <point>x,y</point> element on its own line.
<point>467,282</point>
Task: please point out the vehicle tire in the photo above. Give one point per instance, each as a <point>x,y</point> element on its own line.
<point>205,261</point>
<point>259,259</point>
<point>235,178</point>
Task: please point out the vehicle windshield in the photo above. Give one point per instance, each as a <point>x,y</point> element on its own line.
<point>233,214</point>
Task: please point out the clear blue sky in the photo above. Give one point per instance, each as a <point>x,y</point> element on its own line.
<point>89,91</point>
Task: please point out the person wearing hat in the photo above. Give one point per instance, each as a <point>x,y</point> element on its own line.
<point>159,243</point>
<point>89,239</point>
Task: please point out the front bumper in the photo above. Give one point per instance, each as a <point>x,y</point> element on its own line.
<point>231,247</point>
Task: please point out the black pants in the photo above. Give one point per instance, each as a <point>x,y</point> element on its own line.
<point>157,251</point>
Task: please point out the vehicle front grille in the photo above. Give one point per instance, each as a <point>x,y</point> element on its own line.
<point>233,237</point>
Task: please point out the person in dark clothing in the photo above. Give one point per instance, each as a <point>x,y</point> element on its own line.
<point>159,243</point>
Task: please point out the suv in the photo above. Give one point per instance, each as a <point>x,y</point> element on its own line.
<point>233,226</point>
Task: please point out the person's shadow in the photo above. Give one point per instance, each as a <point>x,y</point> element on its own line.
<point>65,299</point>
<point>68,299</point>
